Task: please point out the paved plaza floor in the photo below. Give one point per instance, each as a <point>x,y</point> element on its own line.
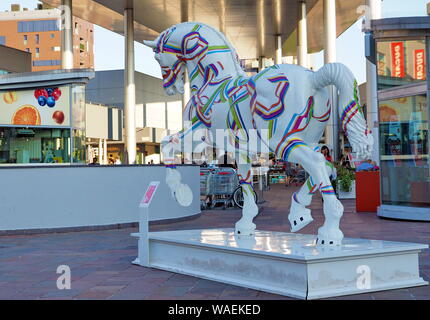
<point>101,268</point>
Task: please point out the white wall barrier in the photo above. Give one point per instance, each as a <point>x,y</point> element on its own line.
<point>82,196</point>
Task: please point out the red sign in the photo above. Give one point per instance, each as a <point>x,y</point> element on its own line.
<point>419,64</point>
<point>397,60</point>
<point>149,194</point>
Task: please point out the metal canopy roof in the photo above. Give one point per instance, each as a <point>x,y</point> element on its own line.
<point>242,18</point>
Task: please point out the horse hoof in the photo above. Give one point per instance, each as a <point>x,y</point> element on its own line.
<point>328,242</point>
<point>244,232</point>
<point>300,222</point>
<point>329,236</point>
<point>299,217</point>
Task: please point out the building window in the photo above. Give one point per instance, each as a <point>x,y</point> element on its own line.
<point>34,145</point>
<point>37,52</point>
<point>25,39</point>
<point>56,49</point>
<point>44,63</point>
<point>52,35</point>
<point>3,40</point>
<point>37,39</point>
<point>404,150</point>
<point>38,26</point>
<point>400,62</point>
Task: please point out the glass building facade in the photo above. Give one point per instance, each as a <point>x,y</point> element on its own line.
<point>402,73</point>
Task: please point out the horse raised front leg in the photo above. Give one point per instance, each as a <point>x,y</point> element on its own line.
<point>314,163</point>
<point>245,226</point>
<point>180,192</point>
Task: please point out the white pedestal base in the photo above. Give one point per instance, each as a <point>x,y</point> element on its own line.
<point>285,263</point>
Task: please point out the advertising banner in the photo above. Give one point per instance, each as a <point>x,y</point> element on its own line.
<point>48,106</point>
<point>397,60</point>
<point>419,64</point>
<point>382,64</point>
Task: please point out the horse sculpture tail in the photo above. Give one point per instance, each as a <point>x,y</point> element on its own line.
<point>350,111</point>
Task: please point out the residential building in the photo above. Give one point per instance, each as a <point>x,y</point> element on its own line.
<point>38,32</point>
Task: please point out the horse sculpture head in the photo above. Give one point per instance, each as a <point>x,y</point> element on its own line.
<point>191,43</point>
<point>170,56</point>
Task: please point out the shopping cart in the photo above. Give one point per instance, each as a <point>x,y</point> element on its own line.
<point>222,183</point>
<point>204,187</point>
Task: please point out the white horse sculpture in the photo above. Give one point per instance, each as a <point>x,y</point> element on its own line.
<point>288,102</point>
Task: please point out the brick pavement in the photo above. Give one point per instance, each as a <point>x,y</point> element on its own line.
<point>101,268</point>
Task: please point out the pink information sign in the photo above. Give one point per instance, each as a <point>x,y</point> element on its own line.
<point>149,194</point>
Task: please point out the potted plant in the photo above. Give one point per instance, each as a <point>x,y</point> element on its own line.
<point>345,183</point>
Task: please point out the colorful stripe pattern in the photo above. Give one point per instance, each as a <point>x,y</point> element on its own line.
<point>327,190</point>
<point>290,145</point>
<point>266,110</point>
<point>352,108</point>
<point>326,115</point>
<point>279,83</point>
<point>298,123</point>
<point>246,180</point>
<point>312,187</point>
<point>170,74</point>
<point>348,113</point>
<point>193,46</point>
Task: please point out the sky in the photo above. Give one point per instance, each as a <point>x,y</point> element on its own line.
<point>350,45</point>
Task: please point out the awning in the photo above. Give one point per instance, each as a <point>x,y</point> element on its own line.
<point>241,20</point>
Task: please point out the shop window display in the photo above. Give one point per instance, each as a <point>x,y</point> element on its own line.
<point>404,150</point>
<point>34,145</point>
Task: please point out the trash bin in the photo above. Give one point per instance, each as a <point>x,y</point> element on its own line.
<point>368,195</point>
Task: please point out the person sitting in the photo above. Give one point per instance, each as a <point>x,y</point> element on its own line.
<point>345,161</point>
<point>326,152</point>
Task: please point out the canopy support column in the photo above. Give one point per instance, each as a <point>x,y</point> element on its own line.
<point>66,35</point>
<point>278,31</point>
<point>302,35</point>
<point>375,12</point>
<point>332,130</point>
<point>129,88</point>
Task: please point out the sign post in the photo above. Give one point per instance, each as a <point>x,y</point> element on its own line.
<point>143,244</point>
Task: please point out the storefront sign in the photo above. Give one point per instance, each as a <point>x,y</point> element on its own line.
<point>49,106</point>
<point>419,65</point>
<point>397,60</point>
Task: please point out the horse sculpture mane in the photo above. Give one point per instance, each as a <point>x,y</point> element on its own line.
<point>286,106</point>
<point>222,37</point>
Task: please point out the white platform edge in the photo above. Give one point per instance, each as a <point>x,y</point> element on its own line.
<point>229,280</point>
<point>411,249</point>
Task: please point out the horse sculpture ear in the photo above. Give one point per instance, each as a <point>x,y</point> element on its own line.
<point>149,43</point>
